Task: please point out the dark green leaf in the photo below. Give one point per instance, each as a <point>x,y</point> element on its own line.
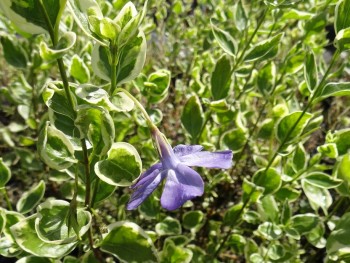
<point>192,116</point>
<point>14,54</point>
<point>221,78</point>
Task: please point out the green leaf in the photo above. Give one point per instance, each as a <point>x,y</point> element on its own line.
<point>322,180</point>
<point>65,43</point>
<point>251,192</point>
<point>270,230</point>
<point>132,57</point>
<point>343,141</point>
<point>55,149</point>
<point>304,223</point>
<point>299,158</point>
<point>129,20</point>
<point>232,214</point>
<point>129,243</point>
<point>334,89</point>
<point>160,81</point>
<point>339,239</point>
<point>192,116</point>
<point>310,70</point>
<point>224,39</point>
<point>55,98</point>
<point>291,126</point>
<point>343,173</point>
<point>80,10</point>
<point>329,149</point>
<point>221,78</point>
<point>2,220</point>
<point>13,51</point>
<point>27,238</point>
<point>342,15</point>
<point>30,199</point>
<point>51,226</point>
<point>342,40</point>
<point>266,78</point>
<point>193,220</point>
<point>296,14</point>
<point>34,259</point>
<point>96,124</point>
<point>168,227</point>
<point>317,196</point>
<point>79,70</point>
<point>316,24</point>
<point>287,193</point>
<point>174,253</point>
<point>265,49</point>
<point>234,139</point>
<point>268,209</point>
<point>5,173</point>
<point>122,166</point>
<point>270,180</point>
<point>241,19</point>
<point>28,15</point>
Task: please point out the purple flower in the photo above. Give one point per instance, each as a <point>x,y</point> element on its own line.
<point>182,183</point>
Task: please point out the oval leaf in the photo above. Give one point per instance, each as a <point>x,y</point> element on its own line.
<point>221,78</point>
<point>270,180</point>
<point>55,149</point>
<point>31,198</point>
<point>122,166</point>
<point>27,238</point>
<point>192,116</point>
<point>129,243</point>
<point>291,126</point>
<point>322,180</point>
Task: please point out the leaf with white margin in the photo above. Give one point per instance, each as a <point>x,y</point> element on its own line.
<point>55,148</point>
<point>131,60</point>
<point>79,10</point>
<point>8,246</point>
<point>96,124</point>
<point>79,70</point>
<point>28,15</point>
<point>122,166</point>
<point>31,198</point>
<point>129,243</point>
<point>5,173</point>
<point>65,43</point>
<point>50,223</point>
<point>27,238</point>
<point>55,98</point>
<point>129,21</point>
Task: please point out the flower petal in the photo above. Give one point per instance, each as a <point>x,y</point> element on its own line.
<point>221,159</point>
<point>181,185</point>
<point>182,150</point>
<point>144,176</point>
<point>144,189</point>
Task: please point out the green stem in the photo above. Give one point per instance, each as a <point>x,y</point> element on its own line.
<point>138,104</point>
<point>314,96</point>
<point>234,223</point>
<point>87,174</point>
<point>7,199</point>
<point>250,40</point>
<point>114,62</point>
<point>97,183</point>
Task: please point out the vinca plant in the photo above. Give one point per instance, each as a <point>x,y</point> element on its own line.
<point>174,131</point>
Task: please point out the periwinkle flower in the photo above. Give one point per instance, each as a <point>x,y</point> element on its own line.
<point>182,183</point>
